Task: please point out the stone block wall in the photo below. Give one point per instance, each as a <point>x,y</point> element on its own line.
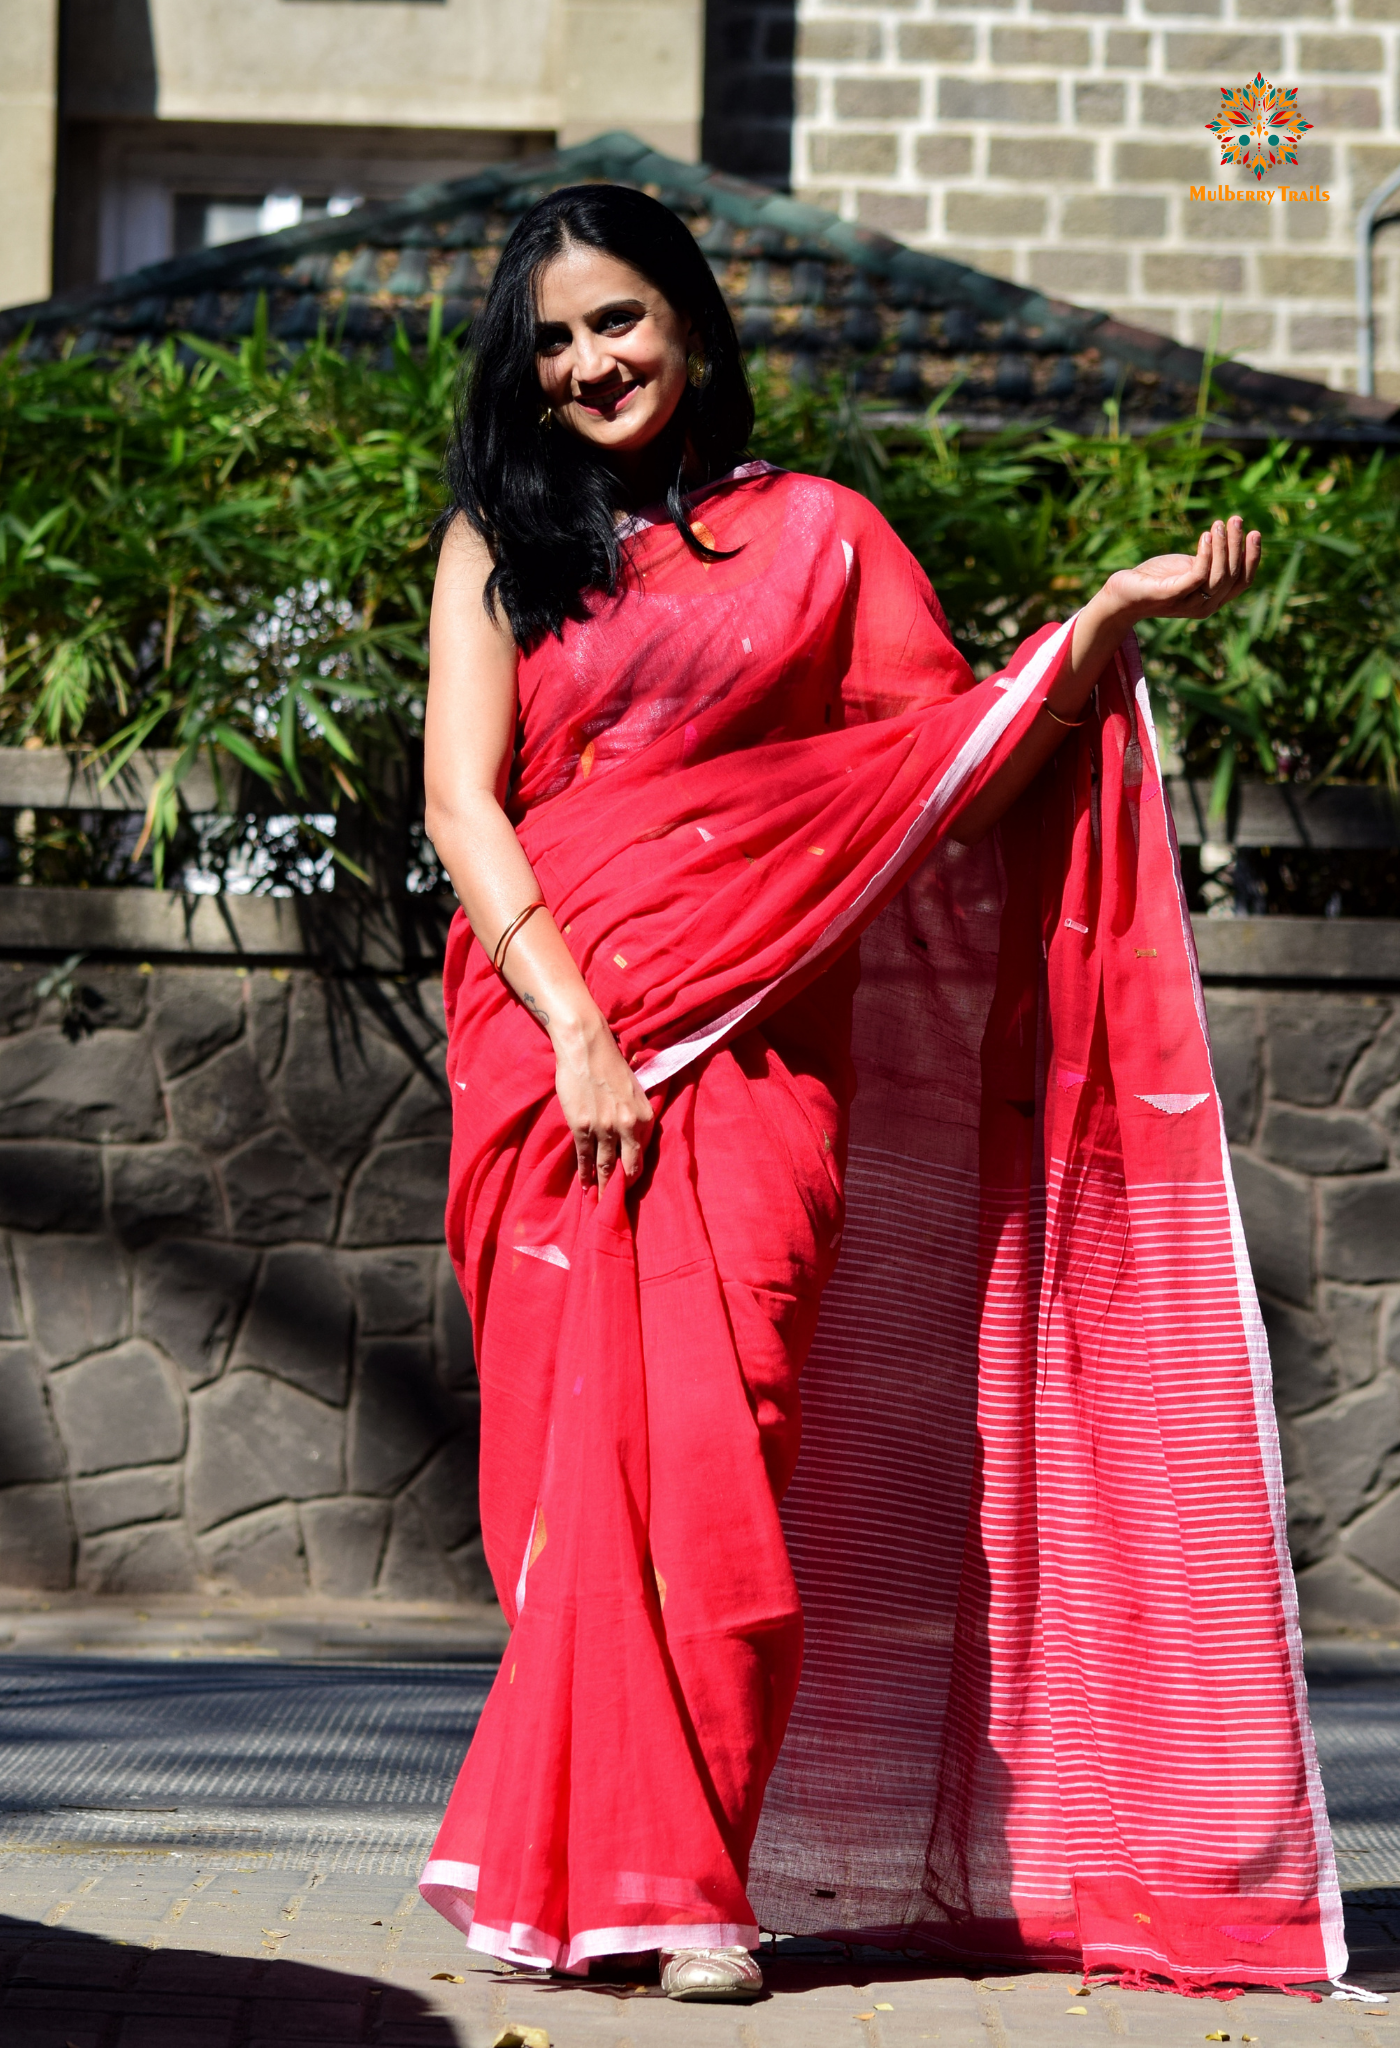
<point>232,1349</point>
<point>1055,142</point>
<point>231,1346</point>
<point>1311,1088</point>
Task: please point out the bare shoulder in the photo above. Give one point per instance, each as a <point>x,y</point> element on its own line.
<point>471,672</point>
<point>464,560</point>
<point>459,606</point>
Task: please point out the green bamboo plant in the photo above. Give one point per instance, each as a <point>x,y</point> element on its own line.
<point>1302,682</point>
<point>225,552</point>
<point>222,551</point>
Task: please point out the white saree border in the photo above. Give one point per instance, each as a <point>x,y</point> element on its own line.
<point>1329,1895</point>
<point>450,1889</point>
<point>639,1941</point>
<point>673,1059</point>
<point>462,1877</point>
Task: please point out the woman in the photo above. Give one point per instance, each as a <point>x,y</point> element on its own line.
<point>716,793</point>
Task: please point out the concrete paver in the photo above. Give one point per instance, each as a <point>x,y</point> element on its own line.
<point>224,1920</point>
<point>153,1948</point>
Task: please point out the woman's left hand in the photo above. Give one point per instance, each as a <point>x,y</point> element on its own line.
<point>1188,586</point>
<point>1166,587</point>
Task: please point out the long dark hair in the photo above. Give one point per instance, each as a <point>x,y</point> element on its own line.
<point>542,498</point>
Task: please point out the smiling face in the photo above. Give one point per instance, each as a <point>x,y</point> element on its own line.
<point>611,351</point>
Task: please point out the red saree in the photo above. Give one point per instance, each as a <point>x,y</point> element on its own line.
<point>1051,1703</point>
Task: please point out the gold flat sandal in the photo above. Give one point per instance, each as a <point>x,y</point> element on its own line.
<point>717,1974</point>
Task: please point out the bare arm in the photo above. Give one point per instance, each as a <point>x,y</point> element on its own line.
<point>468,741</point>
<point>1166,587</point>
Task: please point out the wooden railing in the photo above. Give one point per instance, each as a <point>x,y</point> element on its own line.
<point>55,779</point>
<point>351,928</point>
<point>1328,815</point>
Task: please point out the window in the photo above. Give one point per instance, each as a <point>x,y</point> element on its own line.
<point>202,222</point>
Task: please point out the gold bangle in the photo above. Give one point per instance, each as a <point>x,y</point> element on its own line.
<point>1073,724</point>
<point>498,958</point>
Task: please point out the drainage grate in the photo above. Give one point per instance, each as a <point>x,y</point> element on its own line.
<point>1357,1723</point>
<point>353,1766</point>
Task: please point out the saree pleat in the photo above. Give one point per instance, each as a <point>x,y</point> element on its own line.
<point>1050,1702</point>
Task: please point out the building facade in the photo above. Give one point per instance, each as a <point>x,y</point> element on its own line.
<point>133,130</point>
<point>28,138</point>
<point>1063,144</point>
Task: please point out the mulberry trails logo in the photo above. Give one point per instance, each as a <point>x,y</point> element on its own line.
<point>1259,128</point>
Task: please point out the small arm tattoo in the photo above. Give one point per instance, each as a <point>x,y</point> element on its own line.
<point>536,1010</point>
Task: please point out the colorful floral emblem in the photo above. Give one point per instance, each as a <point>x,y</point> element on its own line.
<point>1259,125</point>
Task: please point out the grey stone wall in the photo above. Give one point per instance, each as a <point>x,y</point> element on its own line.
<point>231,1346</point>
<point>1311,1088</point>
<point>232,1349</point>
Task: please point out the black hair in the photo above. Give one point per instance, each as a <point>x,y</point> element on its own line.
<point>543,499</point>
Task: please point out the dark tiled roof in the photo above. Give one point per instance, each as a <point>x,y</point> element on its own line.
<point>813,290</point>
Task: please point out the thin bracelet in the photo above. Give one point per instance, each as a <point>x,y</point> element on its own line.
<point>498,958</point>
<point>1073,724</point>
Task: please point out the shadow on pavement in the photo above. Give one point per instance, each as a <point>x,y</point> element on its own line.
<point>1373,1937</point>
<point>794,1964</point>
<point>791,1964</point>
<point>66,1990</point>
<point>797,1963</point>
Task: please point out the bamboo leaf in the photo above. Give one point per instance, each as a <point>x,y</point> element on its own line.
<point>222,734</point>
<point>287,740</point>
<point>316,711</point>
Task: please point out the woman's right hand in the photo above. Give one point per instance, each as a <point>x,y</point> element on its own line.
<point>608,1116</point>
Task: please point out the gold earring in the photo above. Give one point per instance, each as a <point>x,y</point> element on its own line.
<point>546,416</point>
<point>697,370</point>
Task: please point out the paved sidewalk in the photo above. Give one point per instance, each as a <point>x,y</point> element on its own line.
<point>211,1818</point>
<point>168,1950</point>
<point>229,1625</point>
